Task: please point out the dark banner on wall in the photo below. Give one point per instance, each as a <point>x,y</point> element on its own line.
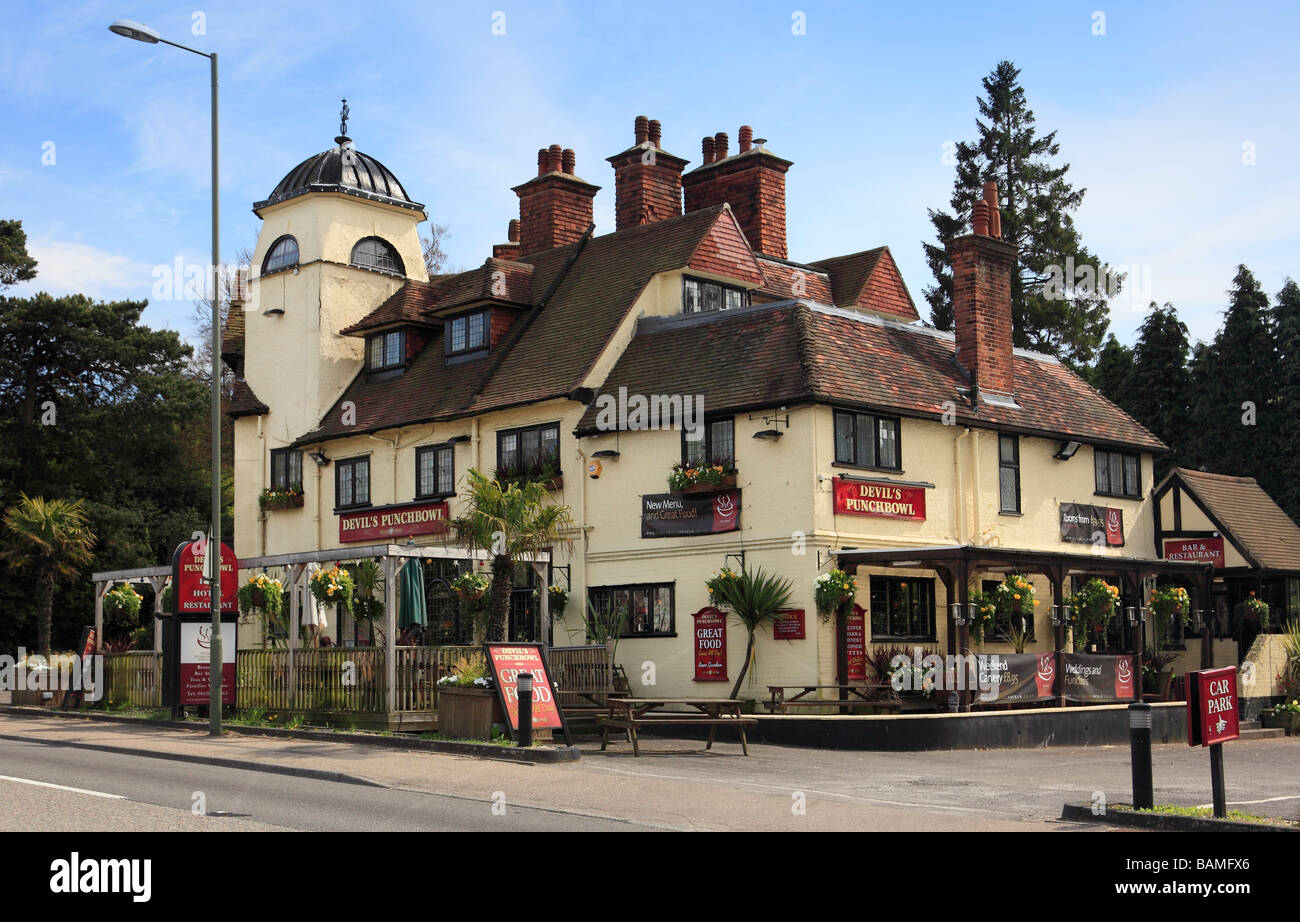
<point>710,645</point>
<point>855,643</point>
<point>1024,677</point>
<point>1098,678</point>
<point>667,515</point>
<point>1082,524</point>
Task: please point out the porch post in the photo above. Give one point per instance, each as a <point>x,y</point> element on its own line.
<point>1135,582</point>
<point>157,582</point>
<point>390,629</point>
<point>963,640</point>
<point>295,616</point>
<point>544,596</point>
<point>101,590</point>
<point>1207,602</point>
<point>1056,575</point>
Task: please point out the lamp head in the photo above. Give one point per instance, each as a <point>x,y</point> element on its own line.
<point>129,28</point>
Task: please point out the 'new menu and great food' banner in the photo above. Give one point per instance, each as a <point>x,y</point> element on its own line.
<point>667,515</point>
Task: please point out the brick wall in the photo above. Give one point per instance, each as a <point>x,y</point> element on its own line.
<point>753,183</point>
<point>981,288</point>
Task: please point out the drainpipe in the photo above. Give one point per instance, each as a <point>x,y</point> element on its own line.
<point>319,498</point>
<point>475,440</point>
<point>960,499</point>
<point>392,445</point>
<point>262,477</point>
<point>975,485</point>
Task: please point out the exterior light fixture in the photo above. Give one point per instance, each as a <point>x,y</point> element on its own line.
<point>319,458</point>
<point>129,28</point>
<point>1067,450</point>
<point>772,434</point>
<point>1060,614</point>
<point>1142,614</point>
<point>606,454</point>
<point>958,616</point>
<point>458,440</point>
<point>1132,615</point>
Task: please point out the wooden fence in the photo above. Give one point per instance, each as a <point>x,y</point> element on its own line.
<point>579,670</point>
<point>134,678</point>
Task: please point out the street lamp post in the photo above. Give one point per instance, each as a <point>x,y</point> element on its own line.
<point>142,33</point>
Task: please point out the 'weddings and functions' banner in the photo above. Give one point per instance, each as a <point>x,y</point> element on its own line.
<point>1098,678</point>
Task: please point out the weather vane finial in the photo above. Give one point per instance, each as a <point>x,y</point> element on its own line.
<point>343,126</point>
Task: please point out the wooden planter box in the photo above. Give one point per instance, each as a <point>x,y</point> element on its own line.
<point>727,483</point>
<point>38,699</point>
<point>1288,722</point>
<point>292,502</point>
<point>468,713</point>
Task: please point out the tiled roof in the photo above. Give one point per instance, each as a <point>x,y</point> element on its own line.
<point>788,280</point>
<point>786,352</point>
<point>562,342</point>
<point>869,280</point>
<point>406,305</point>
<point>1254,521</point>
<point>243,402</point>
<point>232,338</point>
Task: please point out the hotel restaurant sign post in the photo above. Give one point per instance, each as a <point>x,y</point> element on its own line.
<point>1214,718</point>
<point>188,640</point>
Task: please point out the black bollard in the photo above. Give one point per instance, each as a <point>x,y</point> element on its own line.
<point>1139,740</point>
<point>525,689</point>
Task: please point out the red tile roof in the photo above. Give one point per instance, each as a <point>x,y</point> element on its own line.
<point>784,353</point>
<point>243,402</point>
<point>1254,522</point>
<point>869,280</point>
<point>409,304</point>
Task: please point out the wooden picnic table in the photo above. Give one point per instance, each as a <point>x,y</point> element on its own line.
<point>629,714</point>
<point>878,696</point>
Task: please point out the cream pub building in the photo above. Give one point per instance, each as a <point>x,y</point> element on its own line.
<point>847,423</point>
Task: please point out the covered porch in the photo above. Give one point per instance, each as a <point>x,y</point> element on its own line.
<point>956,565</point>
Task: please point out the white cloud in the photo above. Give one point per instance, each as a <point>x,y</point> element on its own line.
<point>68,267</point>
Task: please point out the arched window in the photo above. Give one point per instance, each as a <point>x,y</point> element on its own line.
<point>282,255</point>
<point>374,253</point>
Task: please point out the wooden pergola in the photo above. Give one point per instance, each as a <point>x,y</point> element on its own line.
<point>391,556</point>
<point>956,564</point>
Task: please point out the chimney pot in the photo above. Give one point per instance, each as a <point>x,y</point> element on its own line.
<point>642,129</point>
<point>979,218</point>
<point>995,214</point>
<point>720,145</point>
<point>512,230</point>
<point>746,138</point>
<point>554,158</point>
<point>570,160</point>
<point>656,137</point>
<point>707,146</point>
<point>542,160</point>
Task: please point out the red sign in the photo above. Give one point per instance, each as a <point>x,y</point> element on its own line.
<point>1195,550</point>
<point>191,590</point>
<point>879,498</point>
<point>710,645</point>
<point>393,522</point>
<point>1045,675</point>
<point>855,642</point>
<point>790,625</point>
<point>507,661</point>
<point>1213,715</point>
<point>1124,690</point>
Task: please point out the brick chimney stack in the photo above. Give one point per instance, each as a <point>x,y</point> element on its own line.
<point>510,249</point>
<point>752,181</point>
<point>647,179</point>
<point>555,207</point>
<point>982,264</point>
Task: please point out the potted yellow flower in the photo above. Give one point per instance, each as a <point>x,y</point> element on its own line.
<point>333,585</point>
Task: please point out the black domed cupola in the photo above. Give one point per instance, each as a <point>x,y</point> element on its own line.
<point>341,169</point>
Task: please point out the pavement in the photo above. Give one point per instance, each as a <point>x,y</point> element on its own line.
<point>675,784</point>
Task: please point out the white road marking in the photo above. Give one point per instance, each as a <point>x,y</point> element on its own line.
<point>61,787</point>
<point>1266,800</point>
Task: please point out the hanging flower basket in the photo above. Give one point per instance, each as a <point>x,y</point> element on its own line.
<point>832,590</point>
<point>122,600</point>
<point>333,586</point>
<point>470,586</point>
<point>1093,606</point>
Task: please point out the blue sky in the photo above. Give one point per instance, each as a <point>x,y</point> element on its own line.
<point>1152,115</point>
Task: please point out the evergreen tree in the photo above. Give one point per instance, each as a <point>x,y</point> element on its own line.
<point>1159,399</point>
<point>1113,373</point>
<point>15,265</point>
<point>1063,316</point>
<point>1284,471</point>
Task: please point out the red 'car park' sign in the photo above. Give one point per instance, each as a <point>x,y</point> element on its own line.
<point>1213,710</point>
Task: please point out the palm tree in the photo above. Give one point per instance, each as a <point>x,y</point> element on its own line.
<point>755,598</point>
<point>509,522</point>
<point>53,538</point>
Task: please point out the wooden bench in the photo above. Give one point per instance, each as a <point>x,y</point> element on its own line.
<point>631,714</point>
<point>877,697</point>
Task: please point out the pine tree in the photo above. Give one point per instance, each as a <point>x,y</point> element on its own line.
<point>1113,373</point>
<point>1284,476</point>
<point>1159,399</point>
<point>1063,316</point>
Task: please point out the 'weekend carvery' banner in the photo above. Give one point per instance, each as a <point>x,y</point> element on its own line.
<point>666,515</point>
<point>1023,677</point>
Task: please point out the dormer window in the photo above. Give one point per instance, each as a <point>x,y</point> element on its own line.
<point>385,351</point>
<point>282,255</point>
<point>467,333</point>
<point>375,253</point>
<point>699,295</point>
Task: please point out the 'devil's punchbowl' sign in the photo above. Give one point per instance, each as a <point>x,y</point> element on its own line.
<point>710,645</point>
<point>665,515</point>
<point>507,661</point>
<point>190,596</point>
<point>393,522</point>
<point>882,500</point>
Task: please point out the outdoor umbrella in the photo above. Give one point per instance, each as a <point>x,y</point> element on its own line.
<point>412,610</point>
